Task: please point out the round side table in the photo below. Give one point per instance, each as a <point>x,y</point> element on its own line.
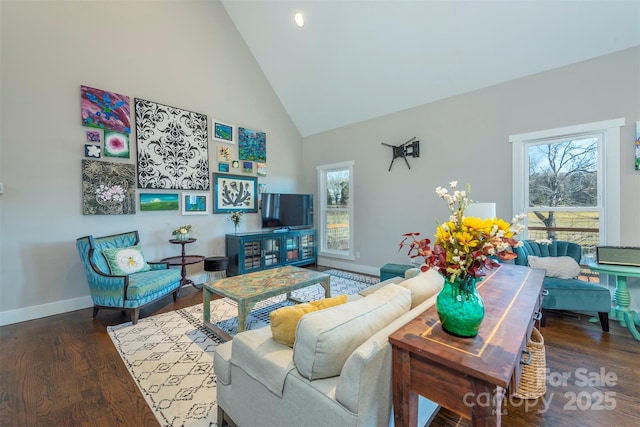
<point>183,260</point>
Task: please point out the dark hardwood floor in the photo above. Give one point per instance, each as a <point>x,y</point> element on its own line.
<point>64,371</point>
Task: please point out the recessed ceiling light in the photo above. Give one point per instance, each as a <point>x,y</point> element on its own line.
<point>299,18</point>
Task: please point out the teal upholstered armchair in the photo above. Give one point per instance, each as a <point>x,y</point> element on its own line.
<point>120,278</point>
<point>566,293</point>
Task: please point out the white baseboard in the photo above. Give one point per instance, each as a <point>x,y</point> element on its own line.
<point>37,311</point>
<point>357,268</point>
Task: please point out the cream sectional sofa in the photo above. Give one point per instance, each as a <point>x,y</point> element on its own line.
<point>338,372</point>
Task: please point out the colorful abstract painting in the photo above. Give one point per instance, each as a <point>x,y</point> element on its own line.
<point>172,147</point>
<point>261,169</point>
<point>223,167</point>
<point>108,188</point>
<point>222,131</point>
<point>638,146</point>
<point>159,202</point>
<point>93,136</point>
<point>116,144</point>
<point>105,110</point>
<point>252,145</point>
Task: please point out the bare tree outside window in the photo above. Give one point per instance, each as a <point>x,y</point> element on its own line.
<point>563,190</point>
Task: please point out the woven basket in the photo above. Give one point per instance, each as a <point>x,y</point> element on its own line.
<point>533,381</point>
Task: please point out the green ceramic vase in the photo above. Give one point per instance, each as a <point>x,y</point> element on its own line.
<point>460,307</point>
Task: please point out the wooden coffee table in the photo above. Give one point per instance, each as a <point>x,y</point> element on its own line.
<point>248,289</point>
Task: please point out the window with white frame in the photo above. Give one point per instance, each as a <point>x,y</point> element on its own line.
<point>335,190</point>
<point>567,182</point>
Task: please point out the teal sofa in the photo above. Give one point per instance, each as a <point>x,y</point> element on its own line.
<point>128,292</point>
<point>567,294</point>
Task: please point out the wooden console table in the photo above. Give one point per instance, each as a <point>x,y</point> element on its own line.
<point>468,376</point>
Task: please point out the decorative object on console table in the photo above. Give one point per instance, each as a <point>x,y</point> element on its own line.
<point>236,219</point>
<point>463,253</point>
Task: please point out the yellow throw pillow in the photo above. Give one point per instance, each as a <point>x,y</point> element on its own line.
<point>284,321</point>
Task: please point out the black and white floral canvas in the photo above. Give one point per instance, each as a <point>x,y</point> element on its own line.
<point>108,188</point>
<point>172,147</point>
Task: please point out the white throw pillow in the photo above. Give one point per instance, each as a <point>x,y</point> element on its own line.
<point>423,286</point>
<point>562,267</point>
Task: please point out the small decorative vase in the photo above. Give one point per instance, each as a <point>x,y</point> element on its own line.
<point>460,307</point>
<point>183,237</point>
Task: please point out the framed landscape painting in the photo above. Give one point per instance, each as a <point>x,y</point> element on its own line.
<point>233,193</point>
<point>159,202</point>
<point>223,132</point>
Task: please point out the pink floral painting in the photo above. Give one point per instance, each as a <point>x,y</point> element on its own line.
<point>105,110</point>
<point>116,144</point>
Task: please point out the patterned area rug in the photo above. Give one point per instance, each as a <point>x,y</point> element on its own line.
<point>170,356</point>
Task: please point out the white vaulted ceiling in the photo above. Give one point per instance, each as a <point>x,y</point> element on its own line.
<point>359,59</point>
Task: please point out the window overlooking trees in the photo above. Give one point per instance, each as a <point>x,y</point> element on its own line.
<point>335,185</point>
<point>563,188</point>
<point>567,182</point>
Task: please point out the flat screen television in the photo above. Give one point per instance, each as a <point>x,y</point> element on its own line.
<point>287,210</point>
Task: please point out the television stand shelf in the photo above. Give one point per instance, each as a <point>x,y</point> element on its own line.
<point>261,250</point>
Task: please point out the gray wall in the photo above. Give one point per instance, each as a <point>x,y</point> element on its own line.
<point>465,138</point>
<point>184,54</point>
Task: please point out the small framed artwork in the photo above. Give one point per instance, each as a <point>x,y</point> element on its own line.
<point>116,144</point>
<point>224,153</point>
<point>91,150</point>
<point>93,136</point>
<point>223,132</point>
<point>223,167</point>
<point>235,164</point>
<point>159,202</point>
<point>233,193</point>
<point>638,146</point>
<point>195,203</point>
<point>261,169</point>
<point>247,167</point>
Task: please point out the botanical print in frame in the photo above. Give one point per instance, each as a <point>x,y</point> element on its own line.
<point>172,147</point>
<point>159,202</point>
<point>234,193</point>
<point>252,145</point>
<point>637,145</point>
<point>195,203</point>
<point>105,110</point>
<point>108,188</point>
<point>222,132</point>
<point>116,144</point>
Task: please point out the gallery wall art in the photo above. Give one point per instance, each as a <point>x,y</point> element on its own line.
<point>252,145</point>
<point>234,193</point>
<point>108,188</point>
<point>116,144</point>
<point>159,202</point>
<point>223,132</point>
<point>638,146</point>
<point>172,147</point>
<point>105,110</point>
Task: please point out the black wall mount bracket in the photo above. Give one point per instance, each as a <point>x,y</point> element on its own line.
<point>409,148</point>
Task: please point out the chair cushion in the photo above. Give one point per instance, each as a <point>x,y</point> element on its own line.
<point>125,261</point>
<point>284,321</point>
<point>562,267</point>
<point>325,339</point>
<point>423,286</point>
